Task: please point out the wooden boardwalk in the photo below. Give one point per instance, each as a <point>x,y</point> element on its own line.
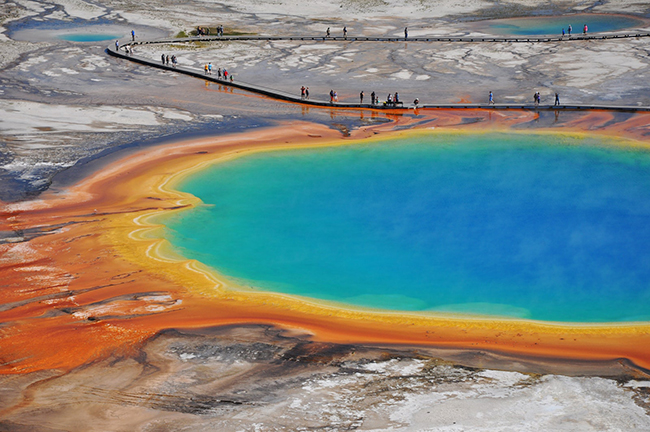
<point>293,98</point>
<point>517,39</point>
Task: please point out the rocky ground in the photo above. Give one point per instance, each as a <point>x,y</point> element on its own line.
<point>65,104</point>
<point>257,379</point>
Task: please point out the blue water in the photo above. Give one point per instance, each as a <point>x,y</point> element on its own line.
<point>79,37</point>
<point>553,25</point>
<point>542,227</point>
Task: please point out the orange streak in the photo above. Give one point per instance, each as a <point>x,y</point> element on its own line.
<point>99,285</point>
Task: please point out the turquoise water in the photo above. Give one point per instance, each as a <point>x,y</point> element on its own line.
<point>553,25</point>
<point>542,227</point>
<point>78,37</point>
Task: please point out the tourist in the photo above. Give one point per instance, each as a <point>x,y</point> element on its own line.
<point>174,61</point>
<point>210,68</point>
<point>219,73</point>
<point>557,99</point>
<point>389,99</point>
<point>331,95</point>
<point>584,29</point>
<point>327,33</point>
<point>491,98</point>
<point>167,59</point>
<point>225,74</point>
<point>302,92</point>
<point>133,35</point>
<point>162,58</point>
<point>396,98</point>
<point>416,102</point>
<point>562,32</point>
<point>361,97</point>
<point>231,78</point>
<point>569,29</point>
<point>307,93</point>
<point>406,33</point>
<point>535,98</point>
<point>205,69</point>
<point>373,98</point>
<point>336,97</point>
<point>117,45</point>
<point>345,32</point>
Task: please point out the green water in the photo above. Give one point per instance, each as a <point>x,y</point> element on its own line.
<point>544,227</point>
<point>553,25</point>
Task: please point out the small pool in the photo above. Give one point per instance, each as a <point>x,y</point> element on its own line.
<point>553,25</point>
<point>87,37</point>
<point>78,31</point>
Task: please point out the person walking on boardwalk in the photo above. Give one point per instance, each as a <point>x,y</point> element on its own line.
<point>373,98</point>
<point>117,45</point>
<point>307,93</point>
<point>225,74</point>
<point>557,99</point>
<point>219,73</point>
<point>210,68</point>
<point>162,58</point>
<point>345,32</point>
<point>569,29</point>
<point>167,60</point>
<point>584,29</point>
<point>396,98</point>
<point>491,98</point>
<point>327,33</point>
<point>205,69</point>
<point>562,32</point>
<point>406,33</point>
<point>133,35</point>
<point>331,95</point>
<point>361,97</point>
<point>302,92</point>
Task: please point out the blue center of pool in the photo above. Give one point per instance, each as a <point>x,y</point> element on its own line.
<point>553,25</point>
<point>78,37</point>
<point>548,227</point>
